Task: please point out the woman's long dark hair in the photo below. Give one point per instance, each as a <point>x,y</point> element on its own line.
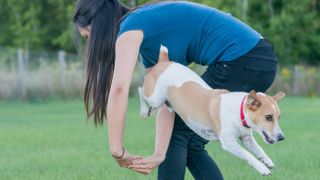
<point>104,17</point>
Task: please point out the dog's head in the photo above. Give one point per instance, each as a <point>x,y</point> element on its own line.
<point>264,113</point>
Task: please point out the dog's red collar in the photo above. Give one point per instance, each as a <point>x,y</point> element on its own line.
<point>242,114</point>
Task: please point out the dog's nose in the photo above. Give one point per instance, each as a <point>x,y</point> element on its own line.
<point>280,137</point>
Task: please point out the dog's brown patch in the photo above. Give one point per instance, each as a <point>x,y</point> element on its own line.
<point>193,101</point>
<point>154,73</point>
<point>269,106</point>
<point>152,77</point>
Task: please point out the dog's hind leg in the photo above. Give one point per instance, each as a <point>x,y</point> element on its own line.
<point>255,148</point>
<point>144,108</point>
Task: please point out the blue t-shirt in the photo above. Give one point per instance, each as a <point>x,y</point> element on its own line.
<point>192,33</point>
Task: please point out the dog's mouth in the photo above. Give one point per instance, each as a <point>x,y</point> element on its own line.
<point>267,138</point>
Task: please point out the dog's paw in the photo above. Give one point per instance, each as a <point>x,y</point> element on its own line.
<point>261,168</point>
<point>267,174</point>
<point>264,171</point>
<point>144,113</point>
<point>268,162</point>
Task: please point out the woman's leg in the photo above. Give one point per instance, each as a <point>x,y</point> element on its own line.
<point>187,149</point>
<point>199,163</point>
<point>255,70</point>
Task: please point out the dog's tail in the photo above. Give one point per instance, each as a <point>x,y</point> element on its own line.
<point>163,55</point>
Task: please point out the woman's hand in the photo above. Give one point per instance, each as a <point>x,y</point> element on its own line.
<point>127,159</point>
<point>146,165</point>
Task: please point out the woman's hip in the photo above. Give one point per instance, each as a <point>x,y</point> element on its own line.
<point>254,70</point>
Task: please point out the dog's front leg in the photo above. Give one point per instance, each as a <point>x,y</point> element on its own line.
<point>144,108</point>
<point>231,145</point>
<point>255,148</point>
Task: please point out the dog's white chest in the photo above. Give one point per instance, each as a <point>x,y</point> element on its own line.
<point>201,130</point>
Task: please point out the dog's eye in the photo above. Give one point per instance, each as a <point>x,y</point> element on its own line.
<point>269,117</point>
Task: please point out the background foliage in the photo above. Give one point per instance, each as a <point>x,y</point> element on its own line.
<point>292,26</point>
<point>52,140</point>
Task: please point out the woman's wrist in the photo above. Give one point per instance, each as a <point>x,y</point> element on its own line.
<point>161,156</point>
<point>118,154</point>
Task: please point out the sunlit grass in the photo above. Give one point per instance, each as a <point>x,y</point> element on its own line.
<point>53,141</point>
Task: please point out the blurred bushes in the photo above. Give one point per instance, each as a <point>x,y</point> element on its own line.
<point>292,26</point>
<point>44,80</point>
<point>43,83</point>
<point>44,26</point>
<point>298,80</point>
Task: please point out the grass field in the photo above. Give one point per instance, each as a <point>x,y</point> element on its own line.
<point>53,141</point>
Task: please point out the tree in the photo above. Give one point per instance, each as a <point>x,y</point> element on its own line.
<point>292,26</point>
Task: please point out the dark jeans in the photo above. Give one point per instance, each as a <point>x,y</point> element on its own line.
<point>254,70</point>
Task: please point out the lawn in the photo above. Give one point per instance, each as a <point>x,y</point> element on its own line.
<point>52,140</point>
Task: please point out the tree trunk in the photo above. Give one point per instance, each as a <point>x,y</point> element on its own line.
<point>245,10</point>
<point>133,3</point>
<point>21,77</point>
<point>296,80</point>
<point>63,66</point>
<point>315,5</point>
<point>271,9</point>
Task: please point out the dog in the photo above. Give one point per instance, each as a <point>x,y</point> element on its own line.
<point>214,114</point>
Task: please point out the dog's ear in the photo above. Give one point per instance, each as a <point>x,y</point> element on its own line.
<point>279,96</point>
<point>253,101</point>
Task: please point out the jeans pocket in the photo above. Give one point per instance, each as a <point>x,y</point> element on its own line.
<point>218,71</point>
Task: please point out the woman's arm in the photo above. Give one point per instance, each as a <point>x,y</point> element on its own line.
<point>127,50</point>
<point>164,127</point>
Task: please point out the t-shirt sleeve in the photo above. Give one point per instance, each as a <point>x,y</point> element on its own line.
<point>147,63</point>
<point>133,22</point>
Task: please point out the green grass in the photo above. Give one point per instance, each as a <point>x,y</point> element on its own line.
<point>53,141</point>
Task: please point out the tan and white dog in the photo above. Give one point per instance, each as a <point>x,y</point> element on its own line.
<point>214,114</point>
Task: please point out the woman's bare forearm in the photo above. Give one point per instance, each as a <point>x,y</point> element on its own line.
<point>116,115</point>
<point>164,127</point>
<point>127,50</point>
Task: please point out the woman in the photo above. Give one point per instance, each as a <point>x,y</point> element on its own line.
<point>238,59</point>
